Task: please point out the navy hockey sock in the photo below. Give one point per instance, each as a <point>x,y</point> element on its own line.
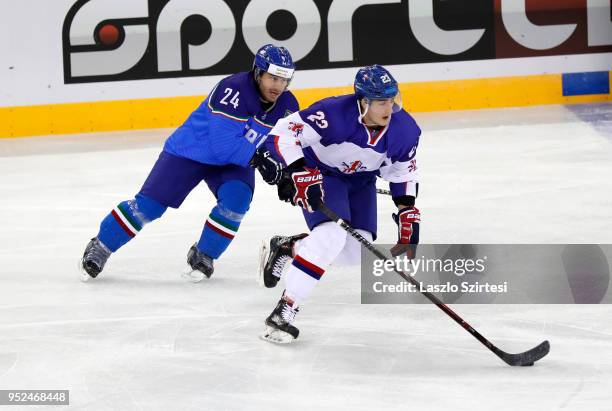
<point>233,201</point>
<point>127,219</point>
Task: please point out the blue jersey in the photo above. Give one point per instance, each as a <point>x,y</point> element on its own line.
<point>330,135</point>
<point>229,125</point>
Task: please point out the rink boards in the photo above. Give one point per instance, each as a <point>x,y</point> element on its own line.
<point>418,97</point>
<point>98,65</point>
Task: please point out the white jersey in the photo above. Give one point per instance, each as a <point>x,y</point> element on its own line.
<point>330,136</point>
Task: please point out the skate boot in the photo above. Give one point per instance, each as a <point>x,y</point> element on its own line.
<point>94,259</point>
<point>274,258</point>
<point>279,328</point>
<point>201,265</point>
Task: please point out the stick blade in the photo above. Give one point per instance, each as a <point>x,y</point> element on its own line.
<point>526,358</point>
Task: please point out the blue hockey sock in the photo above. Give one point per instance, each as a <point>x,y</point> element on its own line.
<point>127,219</point>
<point>233,201</point>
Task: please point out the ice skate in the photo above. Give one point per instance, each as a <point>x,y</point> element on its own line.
<point>279,328</point>
<point>94,259</point>
<point>274,258</point>
<point>200,264</point>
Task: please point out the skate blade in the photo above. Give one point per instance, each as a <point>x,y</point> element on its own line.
<point>193,276</point>
<point>276,336</point>
<point>83,276</point>
<point>263,257</point>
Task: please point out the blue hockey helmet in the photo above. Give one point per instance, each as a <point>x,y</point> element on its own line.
<point>376,83</point>
<point>274,60</point>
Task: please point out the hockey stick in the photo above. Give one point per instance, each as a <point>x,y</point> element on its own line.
<point>383,191</point>
<point>525,358</point>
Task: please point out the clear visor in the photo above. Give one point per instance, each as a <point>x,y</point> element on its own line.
<point>274,78</point>
<point>394,103</point>
<point>380,108</point>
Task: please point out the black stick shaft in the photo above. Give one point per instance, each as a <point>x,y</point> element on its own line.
<point>334,217</point>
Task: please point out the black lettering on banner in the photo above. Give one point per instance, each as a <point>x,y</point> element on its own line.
<point>114,40</point>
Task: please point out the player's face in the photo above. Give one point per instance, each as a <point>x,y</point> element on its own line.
<point>271,86</point>
<point>379,111</point>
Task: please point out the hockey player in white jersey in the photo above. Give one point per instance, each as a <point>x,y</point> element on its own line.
<point>333,152</point>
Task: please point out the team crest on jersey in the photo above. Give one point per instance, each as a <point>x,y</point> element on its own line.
<point>353,167</point>
<point>412,166</point>
<point>296,128</point>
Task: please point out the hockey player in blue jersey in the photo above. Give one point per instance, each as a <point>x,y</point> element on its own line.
<point>215,144</point>
<point>334,151</point>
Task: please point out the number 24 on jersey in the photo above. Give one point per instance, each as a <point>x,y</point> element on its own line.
<point>234,101</point>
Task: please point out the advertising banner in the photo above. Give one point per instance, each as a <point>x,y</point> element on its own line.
<point>111,40</point>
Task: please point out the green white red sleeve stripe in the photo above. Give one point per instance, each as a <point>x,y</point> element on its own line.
<point>126,221</point>
<point>222,228</point>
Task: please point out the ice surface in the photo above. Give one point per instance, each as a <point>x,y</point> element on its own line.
<point>141,338</point>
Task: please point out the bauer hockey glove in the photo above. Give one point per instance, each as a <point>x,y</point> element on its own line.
<point>303,187</point>
<point>271,170</point>
<point>408,221</point>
